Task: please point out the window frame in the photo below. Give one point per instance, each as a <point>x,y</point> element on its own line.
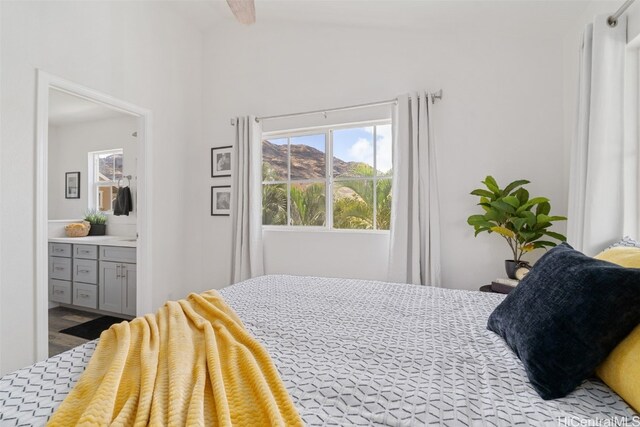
<point>329,179</point>
<point>93,184</point>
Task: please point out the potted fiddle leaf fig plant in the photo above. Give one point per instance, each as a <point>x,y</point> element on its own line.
<point>523,222</point>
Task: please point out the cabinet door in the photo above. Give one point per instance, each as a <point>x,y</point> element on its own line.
<point>85,251</point>
<point>85,271</point>
<point>85,295</point>
<point>117,254</point>
<point>129,289</point>
<point>60,291</point>
<point>59,268</point>
<point>110,286</point>
<point>60,249</point>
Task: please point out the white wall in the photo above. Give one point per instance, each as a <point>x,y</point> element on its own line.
<point>501,114</point>
<point>69,146</point>
<point>141,52</point>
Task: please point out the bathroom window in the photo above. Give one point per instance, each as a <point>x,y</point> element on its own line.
<point>105,170</point>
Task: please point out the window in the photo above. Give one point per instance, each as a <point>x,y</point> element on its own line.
<point>335,178</point>
<point>105,169</point>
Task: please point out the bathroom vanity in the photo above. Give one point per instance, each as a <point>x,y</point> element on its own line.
<point>94,272</point>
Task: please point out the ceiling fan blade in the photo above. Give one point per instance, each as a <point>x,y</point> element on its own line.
<point>244,10</point>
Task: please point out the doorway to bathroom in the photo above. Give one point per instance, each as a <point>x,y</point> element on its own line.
<point>92,231</point>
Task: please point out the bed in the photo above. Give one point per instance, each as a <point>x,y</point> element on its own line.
<point>354,352</point>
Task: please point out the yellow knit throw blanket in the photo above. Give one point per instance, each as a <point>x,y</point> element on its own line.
<point>192,364</point>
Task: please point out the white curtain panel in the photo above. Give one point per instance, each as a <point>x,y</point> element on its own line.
<point>597,207</point>
<point>247,257</point>
<point>414,252</point>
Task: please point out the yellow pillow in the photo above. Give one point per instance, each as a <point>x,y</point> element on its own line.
<point>621,369</point>
<point>624,256</point>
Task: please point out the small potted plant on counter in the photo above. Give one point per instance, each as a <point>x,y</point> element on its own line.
<point>522,221</point>
<point>98,222</point>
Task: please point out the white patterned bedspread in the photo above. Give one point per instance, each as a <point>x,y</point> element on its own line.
<point>355,352</point>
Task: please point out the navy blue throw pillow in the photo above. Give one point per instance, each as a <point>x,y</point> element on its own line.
<point>566,316</point>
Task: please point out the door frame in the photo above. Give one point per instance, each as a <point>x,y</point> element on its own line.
<point>45,82</point>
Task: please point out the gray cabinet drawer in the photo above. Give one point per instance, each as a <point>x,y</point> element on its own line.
<point>60,268</point>
<point>117,254</point>
<point>85,251</point>
<point>85,295</point>
<point>60,291</point>
<point>85,270</point>
<point>60,249</point>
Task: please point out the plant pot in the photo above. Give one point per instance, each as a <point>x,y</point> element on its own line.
<point>98,230</point>
<point>511,266</point>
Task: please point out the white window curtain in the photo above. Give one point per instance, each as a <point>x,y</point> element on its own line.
<point>247,257</point>
<point>414,251</point>
<point>597,207</point>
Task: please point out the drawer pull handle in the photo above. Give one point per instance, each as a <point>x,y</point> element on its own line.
<point>58,268</point>
<point>84,295</point>
<point>84,271</point>
<point>85,252</point>
<point>58,250</point>
<point>58,292</point>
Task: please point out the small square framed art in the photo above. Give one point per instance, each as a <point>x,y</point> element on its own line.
<point>221,200</point>
<point>221,158</point>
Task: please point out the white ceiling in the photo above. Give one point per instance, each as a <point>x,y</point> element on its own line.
<point>550,15</point>
<point>65,109</point>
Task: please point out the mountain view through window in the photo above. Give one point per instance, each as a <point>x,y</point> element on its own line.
<point>338,178</point>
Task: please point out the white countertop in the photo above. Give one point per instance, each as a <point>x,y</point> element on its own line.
<point>128,242</point>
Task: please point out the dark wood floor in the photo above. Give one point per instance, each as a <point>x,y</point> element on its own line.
<point>61,318</point>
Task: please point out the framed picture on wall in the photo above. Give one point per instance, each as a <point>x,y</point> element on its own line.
<point>221,200</point>
<point>72,185</point>
<point>221,161</point>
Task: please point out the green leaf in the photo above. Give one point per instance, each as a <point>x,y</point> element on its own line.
<point>481,229</point>
<point>515,184</point>
<point>533,202</point>
<point>502,206</point>
<point>523,195</point>
<point>485,203</point>
<point>476,219</point>
<point>555,235</point>
<point>528,235</point>
<point>493,215</point>
<point>482,193</point>
<point>485,206</point>
<point>543,208</point>
<point>512,200</point>
<point>530,216</point>
<point>518,223</point>
<point>541,226</point>
<point>491,184</point>
<point>542,218</point>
